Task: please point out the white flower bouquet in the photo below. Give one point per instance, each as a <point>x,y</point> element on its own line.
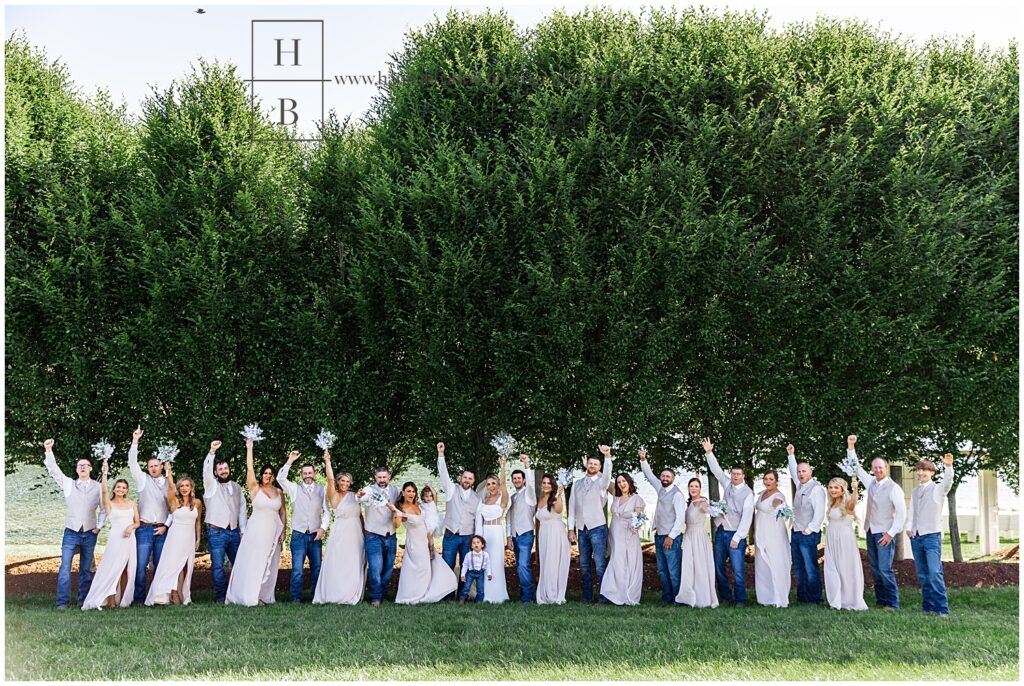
<point>504,444</point>
<point>565,476</point>
<point>102,450</point>
<point>785,512</point>
<point>378,499</point>
<point>325,440</point>
<point>849,465</point>
<point>252,431</point>
<point>639,519</point>
<point>166,452</point>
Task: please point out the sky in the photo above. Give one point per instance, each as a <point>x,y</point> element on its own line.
<point>130,49</point>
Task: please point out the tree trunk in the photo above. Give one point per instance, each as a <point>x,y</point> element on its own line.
<point>954,526</point>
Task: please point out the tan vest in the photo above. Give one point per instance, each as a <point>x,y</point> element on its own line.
<point>459,516</point>
<point>665,514</point>
<point>590,498</point>
<point>307,508</point>
<point>879,512</point>
<point>82,502</point>
<point>378,520</point>
<point>520,513</point>
<point>153,501</point>
<point>223,505</point>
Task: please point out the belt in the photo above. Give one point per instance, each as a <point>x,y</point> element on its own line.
<point>151,524</point>
<point>492,522</point>
<point>223,528</point>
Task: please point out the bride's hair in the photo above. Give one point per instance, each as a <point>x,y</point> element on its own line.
<point>553,497</point>
<point>400,501</point>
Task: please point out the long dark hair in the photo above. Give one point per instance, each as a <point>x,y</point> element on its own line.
<point>554,491</point>
<point>629,480</point>
<point>689,499</point>
<point>273,475</point>
<point>400,500</point>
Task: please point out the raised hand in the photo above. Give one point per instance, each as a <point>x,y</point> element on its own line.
<point>851,442</point>
<point>327,456</point>
<point>440,448</point>
<point>137,434</point>
<point>525,459</point>
<point>947,459</point>
<point>214,445</point>
<point>48,444</point>
<point>106,468</point>
<point>643,454</point>
<point>293,455</point>
<point>501,461</point>
<point>709,447</point>
<point>790,449</point>
<point>605,450</point>
<point>248,443</point>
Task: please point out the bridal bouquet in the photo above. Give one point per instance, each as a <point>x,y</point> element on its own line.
<point>719,508</point>
<point>325,440</point>
<point>565,477</point>
<point>785,512</point>
<point>849,465</point>
<point>252,431</point>
<point>166,452</point>
<point>102,450</point>
<point>639,519</point>
<point>504,444</point>
<point>378,499</point>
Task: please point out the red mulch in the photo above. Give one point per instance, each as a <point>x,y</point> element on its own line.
<point>25,574</point>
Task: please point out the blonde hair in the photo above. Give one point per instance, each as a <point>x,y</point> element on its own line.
<point>844,498</point>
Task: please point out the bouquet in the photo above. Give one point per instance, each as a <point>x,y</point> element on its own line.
<point>639,519</point>
<point>565,477</point>
<point>252,431</point>
<point>102,450</point>
<point>719,508</point>
<point>785,512</point>
<point>504,444</point>
<point>166,452</point>
<point>378,499</point>
<point>325,440</point>
<point>849,465</point>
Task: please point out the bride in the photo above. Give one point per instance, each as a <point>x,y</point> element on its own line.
<point>494,501</point>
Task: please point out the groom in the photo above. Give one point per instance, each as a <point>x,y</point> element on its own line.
<point>380,542</point>
<point>461,503</point>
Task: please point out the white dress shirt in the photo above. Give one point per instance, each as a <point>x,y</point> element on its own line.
<point>152,491</point>
<point>678,504</point>
<point>740,499</point>
<point>83,498</point>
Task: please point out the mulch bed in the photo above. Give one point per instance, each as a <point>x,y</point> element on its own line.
<point>27,574</point>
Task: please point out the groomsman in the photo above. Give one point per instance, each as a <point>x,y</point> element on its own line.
<point>461,504</point>
<point>731,537</point>
<point>924,527</point>
<point>586,510</point>
<point>380,542</point>
<point>668,525</point>
<point>310,519</point>
<point>154,514</point>
<point>520,524</point>
<point>225,517</point>
<point>83,498</point>
<point>883,520</point>
<point>808,515</point>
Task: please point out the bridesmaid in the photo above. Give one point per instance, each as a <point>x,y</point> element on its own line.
<point>844,572</point>
<point>624,577</point>
<point>172,579</point>
<point>489,525</point>
<point>425,578</point>
<point>254,572</point>
<point>343,575</point>
<point>117,568</point>
<point>697,577</point>
<point>552,544</point>
<point>772,560</point>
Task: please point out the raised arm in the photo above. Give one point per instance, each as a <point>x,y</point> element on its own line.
<point>133,461</point>
<point>713,467</point>
<point>791,459</point>
<point>648,472</point>
<point>64,483</point>
<point>501,484</point>
<point>851,452</point>
<point>103,487</point>
<point>442,473</point>
<point>606,471</point>
<point>559,506</point>
<point>209,480</point>
<point>172,499</point>
<point>851,500</point>
<point>332,492</point>
<point>282,475</point>
<point>531,485</point>
<point>250,470</point>
<point>946,479</point>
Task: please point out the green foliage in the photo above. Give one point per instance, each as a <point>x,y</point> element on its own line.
<point>642,228</point>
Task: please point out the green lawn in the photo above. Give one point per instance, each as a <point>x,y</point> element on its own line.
<point>513,642</point>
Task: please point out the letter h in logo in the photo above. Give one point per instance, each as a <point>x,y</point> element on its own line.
<point>287,74</point>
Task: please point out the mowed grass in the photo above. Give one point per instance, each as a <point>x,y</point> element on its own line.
<point>515,642</point>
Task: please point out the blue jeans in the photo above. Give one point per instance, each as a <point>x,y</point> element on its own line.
<point>303,545</point>
<point>724,552</point>
<point>380,562</point>
<point>670,564</point>
<point>452,545</point>
<point>927,549</point>
<point>887,593</point>
<point>804,551</point>
<point>147,544</point>
<point>479,577</point>
<point>523,546</point>
<point>592,541</point>
<point>84,543</point>
<point>222,542</point>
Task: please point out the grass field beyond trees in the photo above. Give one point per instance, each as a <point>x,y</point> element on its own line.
<point>574,641</point>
